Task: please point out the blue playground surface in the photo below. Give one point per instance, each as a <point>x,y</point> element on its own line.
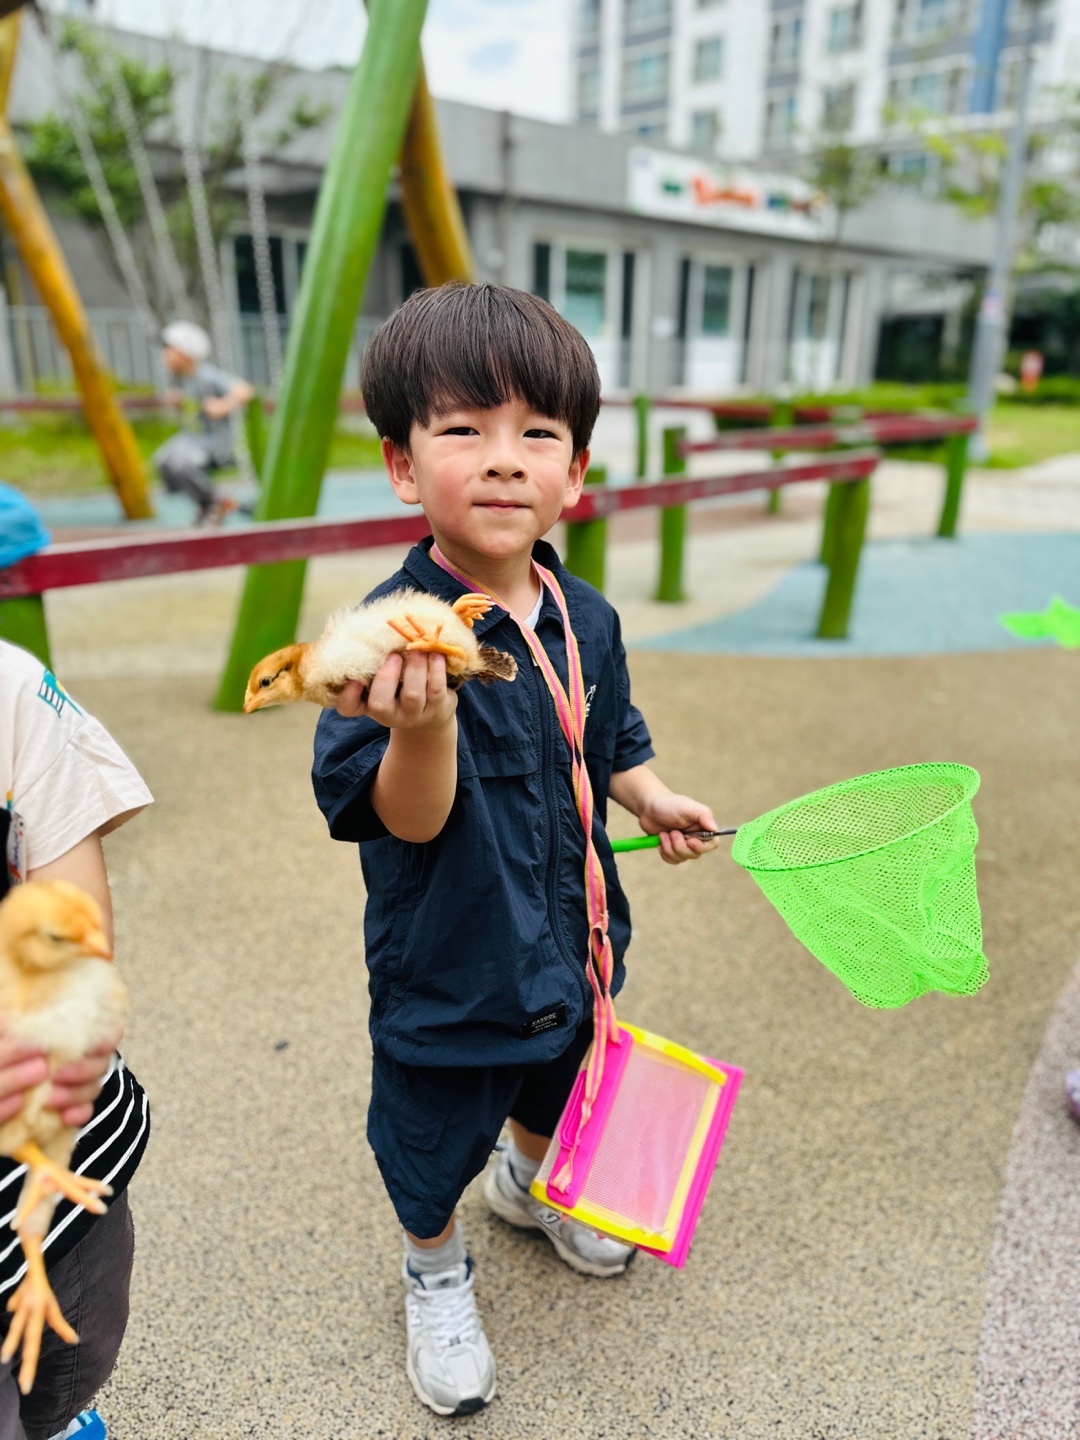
<point>346,494</point>
<point>912,597</point>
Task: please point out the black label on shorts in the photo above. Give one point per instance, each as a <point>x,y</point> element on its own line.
<point>546,1020</point>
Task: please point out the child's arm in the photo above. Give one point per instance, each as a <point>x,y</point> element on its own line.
<point>661,812</point>
<point>415,784</point>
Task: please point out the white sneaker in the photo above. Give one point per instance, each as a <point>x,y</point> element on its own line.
<point>581,1248</point>
<point>449,1361</point>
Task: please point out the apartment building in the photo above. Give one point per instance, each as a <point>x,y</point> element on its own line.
<point>744,78</point>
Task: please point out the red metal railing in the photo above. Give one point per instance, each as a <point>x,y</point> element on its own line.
<point>92,562</point>
<point>883,430</point>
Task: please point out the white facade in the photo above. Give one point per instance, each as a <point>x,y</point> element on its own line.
<point>741,78</point>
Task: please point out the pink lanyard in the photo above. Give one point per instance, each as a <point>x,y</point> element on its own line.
<point>570,710</point>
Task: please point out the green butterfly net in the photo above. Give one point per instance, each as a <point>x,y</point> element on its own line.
<point>876,877</point>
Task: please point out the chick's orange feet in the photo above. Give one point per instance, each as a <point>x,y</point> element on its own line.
<point>470,608</point>
<point>429,641</point>
<point>33,1306</point>
<point>46,1177</point>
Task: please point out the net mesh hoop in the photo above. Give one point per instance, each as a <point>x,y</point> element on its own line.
<point>747,834</point>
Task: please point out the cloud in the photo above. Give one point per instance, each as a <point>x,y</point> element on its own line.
<point>494,56</point>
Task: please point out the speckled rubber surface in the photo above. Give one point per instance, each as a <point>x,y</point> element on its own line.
<point>836,1287</point>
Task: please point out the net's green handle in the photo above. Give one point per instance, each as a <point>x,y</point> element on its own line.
<point>652,842</point>
<point>637,842</point>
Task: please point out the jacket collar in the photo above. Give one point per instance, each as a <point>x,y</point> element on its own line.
<point>420,567</point>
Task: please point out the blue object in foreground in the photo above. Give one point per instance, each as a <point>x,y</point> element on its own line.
<point>21,530</point>
<point>87,1426</point>
<point>913,597</point>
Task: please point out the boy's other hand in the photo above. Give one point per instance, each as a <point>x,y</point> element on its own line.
<point>408,693</point>
<point>75,1086</point>
<point>21,1068</point>
<point>670,816</point>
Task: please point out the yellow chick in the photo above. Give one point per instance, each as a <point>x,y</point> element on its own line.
<point>59,993</point>
<point>357,641</point>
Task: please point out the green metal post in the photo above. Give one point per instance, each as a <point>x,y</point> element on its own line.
<point>672,524</point>
<point>586,540</point>
<point>344,234</point>
<point>22,621</point>
<point>642,408</point>
<point>852,507</point>
<point>828,525</point>
<point>956,456</point>
<point>255,428</point>
<point>783,415</point>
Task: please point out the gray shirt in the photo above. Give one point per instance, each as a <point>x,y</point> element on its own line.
<point>203,382</point>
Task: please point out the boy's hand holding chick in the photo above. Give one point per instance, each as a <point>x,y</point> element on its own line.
<point>408,692</point>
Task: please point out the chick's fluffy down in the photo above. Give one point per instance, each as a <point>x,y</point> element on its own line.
<point>357,641</point>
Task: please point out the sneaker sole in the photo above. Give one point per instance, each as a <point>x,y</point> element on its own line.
<point>508,1211</point>
<point>466,1407</point>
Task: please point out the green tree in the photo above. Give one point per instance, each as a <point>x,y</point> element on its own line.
<point>52,154</point>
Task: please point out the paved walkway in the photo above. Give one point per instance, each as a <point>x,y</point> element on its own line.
<point>874,1261</point>
<point>836,1287</point>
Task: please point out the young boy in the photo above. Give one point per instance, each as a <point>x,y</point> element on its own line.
<point>187,459</point>
<point>471,843</point>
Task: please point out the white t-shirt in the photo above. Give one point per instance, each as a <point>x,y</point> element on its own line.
<point>534,614</point>
<point>62,776</point>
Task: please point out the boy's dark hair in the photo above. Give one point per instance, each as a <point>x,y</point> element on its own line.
<point>478,346</point>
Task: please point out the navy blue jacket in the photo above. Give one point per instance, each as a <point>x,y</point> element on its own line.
<point>476,941</point>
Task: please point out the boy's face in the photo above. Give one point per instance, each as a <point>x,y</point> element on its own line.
<point>177,362</point>
<point>490,481</point>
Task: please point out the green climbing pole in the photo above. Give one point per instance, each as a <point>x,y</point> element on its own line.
<point>345,232</point>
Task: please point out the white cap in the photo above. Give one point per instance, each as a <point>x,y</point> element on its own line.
<point>187,337</point>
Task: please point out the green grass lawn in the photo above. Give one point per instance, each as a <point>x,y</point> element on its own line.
<point>1025,434</point>
<point>46,454</point>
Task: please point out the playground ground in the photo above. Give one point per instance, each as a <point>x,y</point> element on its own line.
<point>890,1244</point>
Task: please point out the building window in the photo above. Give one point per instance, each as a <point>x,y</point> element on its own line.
<point>589,92</point>
<point>646,15</point>
<point>709,59</point>
<point>928,91</point>
<point>780,119</point>
<point>651,130</point>
<point>705,130</point>
<point>845,29</point>
<point>838,108</point>
<point>785,41</point>
<point>920,19</point>
<point>932,16</point>
<point>644,78</point>
<point>247,287</point>
<point>586,282</point>
<point>710,4</point>
<point>542,270</point>
<point>716,301</point>
<point>589,19</point>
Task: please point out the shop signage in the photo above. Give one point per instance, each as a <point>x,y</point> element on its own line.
<point>679,187</point>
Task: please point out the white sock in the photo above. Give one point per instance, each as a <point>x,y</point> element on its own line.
<point>523,1170</point>
<point>430,1259</point>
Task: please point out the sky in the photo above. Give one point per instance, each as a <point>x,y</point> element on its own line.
<point>505,54</point>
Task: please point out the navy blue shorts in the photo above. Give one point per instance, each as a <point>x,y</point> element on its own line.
<point>433,1128</point>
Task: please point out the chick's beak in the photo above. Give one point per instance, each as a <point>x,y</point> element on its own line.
<point>95,942</point>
